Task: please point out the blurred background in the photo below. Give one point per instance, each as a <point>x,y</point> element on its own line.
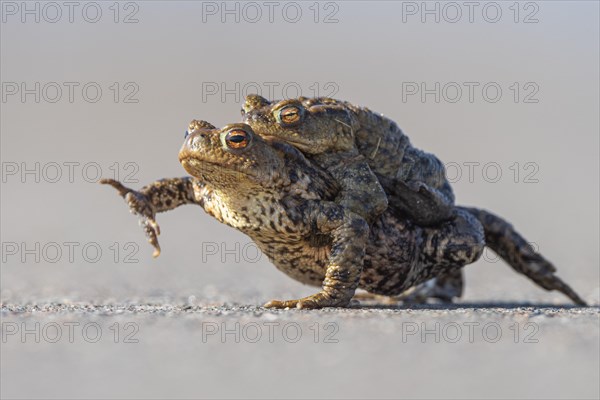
<point>505,93</point>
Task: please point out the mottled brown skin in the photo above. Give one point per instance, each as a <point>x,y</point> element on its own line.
<point>370,157</point>
<point>330,132</point>
<point>513,248</point>
<point>332,149</point>
<point>268,190</point>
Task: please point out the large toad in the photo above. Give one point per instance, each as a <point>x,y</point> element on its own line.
<point>366,152</point>
<point>268,190</point>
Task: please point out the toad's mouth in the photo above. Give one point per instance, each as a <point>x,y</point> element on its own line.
<point>191,159</point>
<point>207,169</point>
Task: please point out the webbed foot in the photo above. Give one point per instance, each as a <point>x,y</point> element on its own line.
<point>140,206</point>
<point>318,300</point>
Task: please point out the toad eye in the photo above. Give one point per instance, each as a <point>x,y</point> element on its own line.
<point>289,115</point>
<point>237,139</point>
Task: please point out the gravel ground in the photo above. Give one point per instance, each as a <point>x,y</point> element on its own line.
<point>182,348</point>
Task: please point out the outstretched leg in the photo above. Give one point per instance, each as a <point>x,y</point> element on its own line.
<point>504,240</point>
<point>162,195</point>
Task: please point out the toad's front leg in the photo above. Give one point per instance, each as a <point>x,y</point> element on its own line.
<point>360,191</point>
<point>349,234</point>
<point>159,196</point>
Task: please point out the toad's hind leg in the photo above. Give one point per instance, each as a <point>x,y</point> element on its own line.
<point>456,243</point>
<point>444,250</point>
<point>504,240</point>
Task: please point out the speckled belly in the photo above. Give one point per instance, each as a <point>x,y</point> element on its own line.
<point>392,253</point>
<point>392,257</point>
